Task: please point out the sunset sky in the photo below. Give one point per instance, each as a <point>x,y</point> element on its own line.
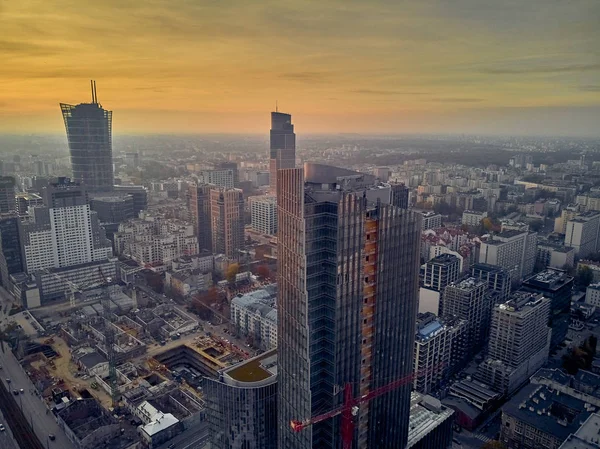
<point>491,66</point>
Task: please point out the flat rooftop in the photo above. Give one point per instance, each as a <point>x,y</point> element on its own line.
<point>552,279</point>
<point>256,369</point>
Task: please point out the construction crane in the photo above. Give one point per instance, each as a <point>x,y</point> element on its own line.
<point>349,409</point>
<point>109,337</point>
<point>71,289</point>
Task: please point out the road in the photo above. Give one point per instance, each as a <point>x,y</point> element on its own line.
<point>34,409</point>
<point>6,439</point>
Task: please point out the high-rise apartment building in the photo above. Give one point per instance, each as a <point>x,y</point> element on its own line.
<point>468,300</point>
<point>227,221</point>
<point>440,348</point>
<point>89,132</point>
<point>263,210</point>
<point>64,232</point>
<point>582,233</point>
<point>7,194</point>
<point>557,286</point>
<point>519,342</point>
<point>233,166</point>
<point>282,146</point>
<point>199,206</point>
<point>241,405</point>
<point>498,280</point>
<point>348,281</point>
<point>512,250</point>
<point>440,272</point>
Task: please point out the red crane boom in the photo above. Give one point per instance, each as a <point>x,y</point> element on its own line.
<point>349,408</point>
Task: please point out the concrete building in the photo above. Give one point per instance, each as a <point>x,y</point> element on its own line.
<point>199,205</point>
<point>139,195</point>
<point>382,173</point>
<point>254,317</point>
<point>586,437</point>
<point>112,209</point>
<point>11,259</point>
<point>438,342</point>
<point>431,220</point>
<point>538,416</point>
<point>241,404</point>
<point>593,266</point>
<point>400,194</point>
<point>227,221</point>
<point>282,146</point>
<point>512,250</point>
<point>568,213</point>
<point>468,300</point>
<point>582,233</point>
<point>592,295</point>
<point>328,331</point>
<point>473,217</point>
<point>25,200</point>
<point>87,424</point>
<point>555,255</point>
<point>498,280</point>
<point>263,210</point>
<point>89,132</point>
<point>519,342</point>
<point>219,178</point>
<point>557,286</point>
<point>438,273</point>
<point>7,194</point>
<point>430,423</point>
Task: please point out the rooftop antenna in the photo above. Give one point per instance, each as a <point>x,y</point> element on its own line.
<point>95,93</point>
<point>276,107</point>
<point>92,86</point>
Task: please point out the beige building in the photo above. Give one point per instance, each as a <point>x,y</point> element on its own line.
<point>227,221</point>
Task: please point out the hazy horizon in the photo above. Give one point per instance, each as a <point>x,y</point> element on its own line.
<point>342,66</point>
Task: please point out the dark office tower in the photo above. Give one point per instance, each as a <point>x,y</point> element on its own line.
<point>7,194</point>
<point>498,280</point>
<point>11,260</point>
<point>283,146</point>
<point>556,285</point>
<point>348,280</point>
<point>400,195</point>
<point>89,132</point>
<point>199,206</point>
<point>139,194</point>
<point>227,221</point>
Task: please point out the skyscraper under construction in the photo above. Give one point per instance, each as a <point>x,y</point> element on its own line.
<point>89,132</point>
<point>348,273</point>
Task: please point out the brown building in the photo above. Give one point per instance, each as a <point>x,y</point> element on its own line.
<point>199,204</point>
<point>227,221</point>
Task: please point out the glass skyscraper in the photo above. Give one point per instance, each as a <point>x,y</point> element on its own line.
<point>89,132</point>
<point>348,273</point>
<point>283,146</point>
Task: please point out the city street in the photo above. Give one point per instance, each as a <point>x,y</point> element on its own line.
<point>34,409</point>
<point>6,439</point>
<point>194,438</point>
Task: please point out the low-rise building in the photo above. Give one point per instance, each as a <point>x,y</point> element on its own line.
<point>430,423</point>
<point>254,316</point>
<point>473,217</point>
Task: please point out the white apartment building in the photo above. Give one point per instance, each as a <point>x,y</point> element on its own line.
<point>220,178</point>
<point>472,217</point>
<point>254,316</point>
<point>582,233</point>
<point>431,220</point>
<point>592,295</point>
<point>263,210</point>
<point>515,251</point>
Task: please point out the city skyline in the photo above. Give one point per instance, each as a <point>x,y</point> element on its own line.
<point>338,66</point>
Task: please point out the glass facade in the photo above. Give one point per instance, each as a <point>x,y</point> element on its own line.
<point>348,282</point>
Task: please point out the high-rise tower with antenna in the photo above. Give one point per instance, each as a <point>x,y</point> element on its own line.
<point>89,132</point>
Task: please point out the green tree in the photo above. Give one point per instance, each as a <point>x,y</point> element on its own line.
<point>584,276</point>
<point>233,269</point>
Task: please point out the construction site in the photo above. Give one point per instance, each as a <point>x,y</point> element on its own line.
<point>129,372</point>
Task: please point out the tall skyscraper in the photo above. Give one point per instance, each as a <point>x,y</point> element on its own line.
<point>283,146</point>
<point>89,132</point>
<point>348,282</point>
<point>11,260</point>
<point>7,194</point>
<point>227,221</point>
<point>199,206</point>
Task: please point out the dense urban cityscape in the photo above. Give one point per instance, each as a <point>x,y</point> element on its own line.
<point>230,292</point>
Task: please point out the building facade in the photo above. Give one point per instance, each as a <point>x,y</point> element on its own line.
<point>519,342</point>
<point>11,259</point>
<point>7,194</point>
<point>498,280</point>
<point>199,205</point>
<point>512,250</point>
<point>282,146</point>
<point>89,132</point>
<point>227,221</point>
<point>241,405</point>
<point>582,233</point>
<point>220,178</point>
<point>263,210</point>
<point>343,265</point>
<point>254,317</point>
